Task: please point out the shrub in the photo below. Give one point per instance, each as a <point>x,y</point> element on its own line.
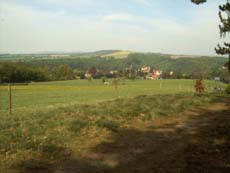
<point>199,86</point>
<point>227,90</point>
<point>104,79</point>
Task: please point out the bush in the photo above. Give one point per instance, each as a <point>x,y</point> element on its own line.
<point>199,86</point>
<point>78,125</point>
<point>227,90</point>
<point>104,79</point>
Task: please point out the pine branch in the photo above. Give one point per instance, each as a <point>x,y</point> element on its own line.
<point>223,50</point>
<point>198,1</point>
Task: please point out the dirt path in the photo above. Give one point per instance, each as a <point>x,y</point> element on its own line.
<point>197,142</point>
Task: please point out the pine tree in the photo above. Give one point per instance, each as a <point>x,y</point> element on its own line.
<point>224,28</point>
<point>198,1</point>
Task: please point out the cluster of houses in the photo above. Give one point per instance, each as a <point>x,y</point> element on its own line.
<point>151,73</point>
<point>145,71</point>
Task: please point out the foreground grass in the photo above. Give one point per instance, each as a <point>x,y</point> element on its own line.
<point>35,140</point>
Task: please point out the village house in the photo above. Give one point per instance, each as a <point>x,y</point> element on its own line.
<point>88,75</point>
<point>146,69</point>
<point>155,74</point>
<point>113,72</point>
<point>151,73</point>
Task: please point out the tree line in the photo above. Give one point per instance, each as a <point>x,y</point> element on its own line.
<point>97,68</point>
<point>20,72</point>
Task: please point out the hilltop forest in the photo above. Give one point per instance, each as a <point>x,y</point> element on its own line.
<point>28,69</point>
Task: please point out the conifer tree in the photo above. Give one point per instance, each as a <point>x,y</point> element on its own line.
<point>224,28</point>
<point>198,1</point>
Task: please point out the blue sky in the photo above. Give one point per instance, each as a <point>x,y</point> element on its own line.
<point>167,26</point>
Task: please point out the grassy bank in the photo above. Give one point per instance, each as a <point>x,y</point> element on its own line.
<point>37,139</point>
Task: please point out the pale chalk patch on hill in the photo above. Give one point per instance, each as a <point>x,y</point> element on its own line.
<point>119,54</point>
<point>181,56</point>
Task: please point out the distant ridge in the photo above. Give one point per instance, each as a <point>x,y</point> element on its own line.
<point>117,54</point>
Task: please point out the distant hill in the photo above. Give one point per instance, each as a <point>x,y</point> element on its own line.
<point>182,56</point>
<point>181,64</point>
<point>117,59</point>
<point>96,53</point>
<point>118,54</point>
<point>63,55</point>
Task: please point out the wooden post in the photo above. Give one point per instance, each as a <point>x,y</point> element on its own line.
<point>10,98</point>
<point>229,62</point>
<point>116,83</point>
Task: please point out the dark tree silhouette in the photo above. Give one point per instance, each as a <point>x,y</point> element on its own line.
<point>198,1</point>
<point>224,28</point>
<point>92,71</point>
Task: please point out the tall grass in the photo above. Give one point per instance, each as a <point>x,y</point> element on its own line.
<point>47,135</point>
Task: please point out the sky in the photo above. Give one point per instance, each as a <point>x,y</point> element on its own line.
<point>165,26</point>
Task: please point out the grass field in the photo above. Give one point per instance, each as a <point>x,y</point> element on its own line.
<point>50,94</point>
<point>119,54</point>
<point>52,119</point>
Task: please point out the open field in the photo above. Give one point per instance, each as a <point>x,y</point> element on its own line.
<point>94,137</point>
<point>50,94</point>
<point>54,120</point>
<point>118,54</point>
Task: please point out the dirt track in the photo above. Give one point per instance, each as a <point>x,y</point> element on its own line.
<point>197,142</point>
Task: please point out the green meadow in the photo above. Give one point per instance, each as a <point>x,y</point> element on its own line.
<point>50,94</point>
<point>53,119</point>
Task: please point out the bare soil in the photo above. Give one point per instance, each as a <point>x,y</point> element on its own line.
<point>197,141</point>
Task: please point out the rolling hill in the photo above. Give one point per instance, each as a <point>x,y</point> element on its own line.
<point>107,60</point>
